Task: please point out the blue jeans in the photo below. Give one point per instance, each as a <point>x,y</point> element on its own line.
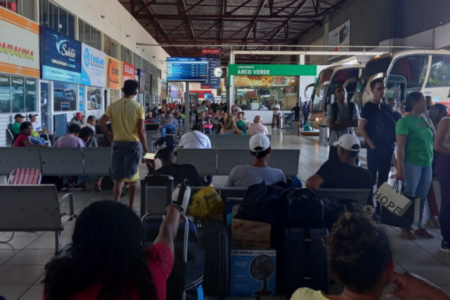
<point>417,185</point>
<point>37,140</point>
<point>164,128</point>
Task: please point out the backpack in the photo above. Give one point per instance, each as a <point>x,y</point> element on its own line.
<point>351,109</point>
<point>334,207</point>
<point>383,128</point>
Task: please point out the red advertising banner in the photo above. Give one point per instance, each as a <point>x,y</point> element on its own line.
<point>129,72</point>
<point>201,94</point>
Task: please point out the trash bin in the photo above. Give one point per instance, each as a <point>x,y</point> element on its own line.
<point>323,135</point>
<point>296,127</point>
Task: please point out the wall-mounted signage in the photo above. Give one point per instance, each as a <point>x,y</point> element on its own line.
<point>61,57</point>
<point>272,70</point>
<point>93,67</point>
<point>340,36</point>
<point>129,72</point>
<point>113,73</point>
<point>187,69</point>
<point>141,74</point>
<point>19,45</point>
<point>213,56</point>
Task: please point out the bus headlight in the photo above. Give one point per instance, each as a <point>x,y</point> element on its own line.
<point>317,119</point>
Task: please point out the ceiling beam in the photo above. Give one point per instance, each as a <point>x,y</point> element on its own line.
<point>157,23</point>
<point>253,28</point>
<point>269,18</point>
<point>242,5</point>
<point>287,22</point>
<point>145,6</point>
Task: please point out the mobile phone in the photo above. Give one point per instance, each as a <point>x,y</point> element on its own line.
<point>149,156</point>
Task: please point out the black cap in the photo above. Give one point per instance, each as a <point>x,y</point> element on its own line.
<point>164,146</point>
<point>19,116</point>
<point>32,115</point>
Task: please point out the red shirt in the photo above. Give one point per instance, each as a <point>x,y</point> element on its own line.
<point>160,264</point>
<point>19,140</point>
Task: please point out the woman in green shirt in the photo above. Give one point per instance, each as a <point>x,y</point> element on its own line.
<point>415,156</point>
<point>241,124</point>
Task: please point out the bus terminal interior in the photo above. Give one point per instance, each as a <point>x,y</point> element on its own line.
<point>300,78</point>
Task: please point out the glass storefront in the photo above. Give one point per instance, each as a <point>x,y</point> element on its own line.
<point>64,96</point>
<point>17,94</point>
<point>261,92</point>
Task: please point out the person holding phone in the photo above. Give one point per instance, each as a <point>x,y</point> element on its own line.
<point>166,153</point>
<point>107,259</point>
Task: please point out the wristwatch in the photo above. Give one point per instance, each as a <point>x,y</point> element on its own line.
<point>180,208</point>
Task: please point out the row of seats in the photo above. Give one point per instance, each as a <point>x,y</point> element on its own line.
<point>222,161</point>
<point>57,161</point>
<point>231,141</point>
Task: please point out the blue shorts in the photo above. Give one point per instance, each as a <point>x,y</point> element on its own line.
<point>125,160</point>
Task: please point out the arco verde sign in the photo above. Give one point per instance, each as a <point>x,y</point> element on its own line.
<point>272,70</point>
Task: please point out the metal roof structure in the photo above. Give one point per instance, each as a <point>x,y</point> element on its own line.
<point>184,27</point>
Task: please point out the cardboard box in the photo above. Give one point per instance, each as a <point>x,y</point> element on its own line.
<point>250,235</point>
<point>253,273</point>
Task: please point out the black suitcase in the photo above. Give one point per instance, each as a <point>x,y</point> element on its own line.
<point>213,237</point>
<point>305,258</point>
<point>306,263</point>
<point>155,180</point>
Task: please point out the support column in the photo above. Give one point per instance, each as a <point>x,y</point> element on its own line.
<point>187,119</point>
<point>231,83</point>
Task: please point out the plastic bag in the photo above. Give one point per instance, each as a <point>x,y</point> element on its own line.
<point>206,202</point>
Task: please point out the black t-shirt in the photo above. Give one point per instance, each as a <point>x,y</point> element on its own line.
<point>373,113</point>
<point>341,175</point>
<point>296,111</point>
<point>397,116</point>
<point>180,172</point>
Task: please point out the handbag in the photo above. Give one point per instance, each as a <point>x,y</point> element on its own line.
<point>409,213</point>
<point>393,199</point>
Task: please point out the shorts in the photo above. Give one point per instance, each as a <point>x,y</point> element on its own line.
<point>125,160</point>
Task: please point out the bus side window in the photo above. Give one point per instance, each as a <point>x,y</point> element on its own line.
<point>439,72</point>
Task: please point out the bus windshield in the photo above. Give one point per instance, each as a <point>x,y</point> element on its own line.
<point>318,101</point>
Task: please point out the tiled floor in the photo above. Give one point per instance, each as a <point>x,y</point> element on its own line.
<point>22,260</point>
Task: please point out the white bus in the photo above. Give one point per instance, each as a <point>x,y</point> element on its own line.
<point>322,96</point>
<point>426,71</point>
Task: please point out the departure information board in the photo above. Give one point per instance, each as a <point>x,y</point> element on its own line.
<point>187,69</point>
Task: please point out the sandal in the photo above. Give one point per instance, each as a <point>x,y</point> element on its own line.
<point>424,233</point>
<point>407,234</point>
<point>433,222</point>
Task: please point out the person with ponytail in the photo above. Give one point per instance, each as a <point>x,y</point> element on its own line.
<point>360,257</point>
<point>415,157</point>
<point>107,260</point>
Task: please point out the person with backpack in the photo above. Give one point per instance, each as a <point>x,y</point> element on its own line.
<point>377,126</point>
<point>342,117</point>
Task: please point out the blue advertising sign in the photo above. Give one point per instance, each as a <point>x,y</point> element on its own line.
<point>213,56</point>
<point>61,57</point>
<point>187,69</point>
<point>81,98</point>
<point>93,67</point>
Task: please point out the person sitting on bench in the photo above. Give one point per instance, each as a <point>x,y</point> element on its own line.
<point>24,137</point>
<point>107,260</point>
<point>259,170</point>
<point>344,173</point>
<point>168,124</point>
<point>360,257</point>
<point>166,153</point>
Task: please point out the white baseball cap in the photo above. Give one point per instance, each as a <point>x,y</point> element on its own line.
<point>259,141</point>
<point>349,142</point>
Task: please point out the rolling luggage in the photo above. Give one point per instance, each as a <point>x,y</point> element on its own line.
<point>213,238</point>
<point>305,259</point>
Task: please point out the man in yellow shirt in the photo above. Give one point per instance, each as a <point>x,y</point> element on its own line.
<point>128,141</point>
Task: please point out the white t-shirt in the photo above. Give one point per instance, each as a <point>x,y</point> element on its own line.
<point>37,126</point>
<point>276,109</point>
<point>195,140</point>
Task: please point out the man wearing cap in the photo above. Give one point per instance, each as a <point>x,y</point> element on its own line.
<point>166,153</point>
<point>77,119</point>
<point>37,130</point>
<point>259,170</point>
<point>344,173</point>
<point>15,127</point>
<point>128,139</point>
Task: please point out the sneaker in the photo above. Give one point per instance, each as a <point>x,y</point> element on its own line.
<point>445,246</point>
